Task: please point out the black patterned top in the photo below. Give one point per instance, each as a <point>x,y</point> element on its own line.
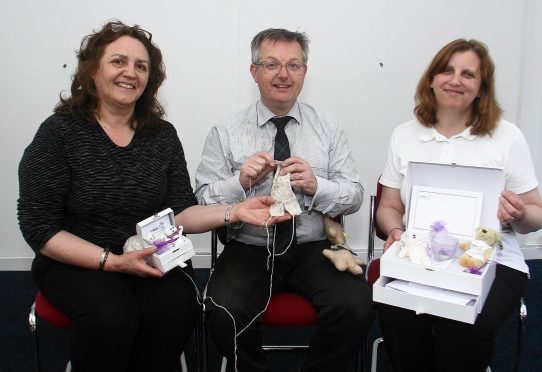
<point>73,177</point>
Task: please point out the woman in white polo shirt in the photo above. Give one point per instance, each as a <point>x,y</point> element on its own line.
<point>458,120</point>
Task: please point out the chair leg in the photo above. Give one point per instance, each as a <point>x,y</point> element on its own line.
<point>374,356</point>
<point>33,324</point>
<point>520,334</point>
<point>184,367</point>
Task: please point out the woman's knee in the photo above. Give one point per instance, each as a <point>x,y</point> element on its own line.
<point>453,337</point>
<point>353,309</point>
<point>116,320</point>
<point>456,334</point>
<point>360,311</point>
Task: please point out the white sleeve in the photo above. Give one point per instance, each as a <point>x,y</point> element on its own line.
<point>519,169</point>
<point>391,175</point>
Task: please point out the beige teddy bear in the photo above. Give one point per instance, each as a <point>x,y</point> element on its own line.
<point>478,252</point>
<point>339,253</point>
<point>477,255</point>
<point>490,236</point>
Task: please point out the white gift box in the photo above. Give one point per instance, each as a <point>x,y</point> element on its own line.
<point>176,250</point>
<point>444,288</point>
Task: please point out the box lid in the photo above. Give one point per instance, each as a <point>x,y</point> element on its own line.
<point>157,226</point>
<point>469,180</point>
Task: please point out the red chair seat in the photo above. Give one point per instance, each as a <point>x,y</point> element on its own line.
<point>373,271</point>
<point>51,314</point>
<point>287,309</point>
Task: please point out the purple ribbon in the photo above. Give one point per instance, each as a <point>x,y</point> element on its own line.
<point>474,270</point>
<point>161,244</point>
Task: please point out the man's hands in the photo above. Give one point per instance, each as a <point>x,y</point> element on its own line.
<point>259,165</point>
<point>301,175</point>
<point>255,168</point>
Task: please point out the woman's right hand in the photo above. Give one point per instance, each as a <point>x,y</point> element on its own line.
<point>389,214</point>
<point>392,238</point>
<point>133,263</point>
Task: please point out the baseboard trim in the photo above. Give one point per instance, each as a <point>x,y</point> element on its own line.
<point>15,263</point>
<point>203,259</point>
<point>532,251</point>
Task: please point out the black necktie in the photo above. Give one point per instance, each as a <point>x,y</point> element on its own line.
<point>284,231</point>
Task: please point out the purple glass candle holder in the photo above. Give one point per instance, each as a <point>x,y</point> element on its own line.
<point>443,247</point>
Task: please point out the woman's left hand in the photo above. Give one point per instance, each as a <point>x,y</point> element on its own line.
<point>255,211</point>
<point>511,207</point>
<point>523,212</point>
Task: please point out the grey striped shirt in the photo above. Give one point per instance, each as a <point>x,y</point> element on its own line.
<point>314,137</point>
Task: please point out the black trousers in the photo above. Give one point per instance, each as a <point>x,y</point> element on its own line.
<point>239,289</point>
<point>429,343</point>
<point>121,322</point>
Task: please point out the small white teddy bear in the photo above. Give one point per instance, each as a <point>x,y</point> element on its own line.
<point>414,249</point>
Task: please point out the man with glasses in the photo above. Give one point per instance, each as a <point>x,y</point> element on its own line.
<point>240,156</point>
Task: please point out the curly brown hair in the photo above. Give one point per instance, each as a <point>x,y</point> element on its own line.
<point>485,110</point>
<point>84,97</point>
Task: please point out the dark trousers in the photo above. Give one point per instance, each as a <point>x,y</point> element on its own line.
<point>121,322</point>
<point>240,284</point>
<point>428,343</point>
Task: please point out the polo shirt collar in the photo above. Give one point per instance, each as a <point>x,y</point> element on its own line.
<point>430,134</point>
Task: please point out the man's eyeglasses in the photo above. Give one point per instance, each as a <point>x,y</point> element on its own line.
<point>272,67</point>
<point>117,27</point>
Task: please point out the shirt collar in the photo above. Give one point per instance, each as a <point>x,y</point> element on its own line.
<point>430,134</point>
<point>264,114</point>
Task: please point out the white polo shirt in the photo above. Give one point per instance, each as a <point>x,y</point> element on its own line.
<point>506,148</point>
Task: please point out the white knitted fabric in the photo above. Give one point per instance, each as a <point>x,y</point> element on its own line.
<point>284,196</point>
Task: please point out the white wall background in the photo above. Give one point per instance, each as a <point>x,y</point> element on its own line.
<point>365,60</point>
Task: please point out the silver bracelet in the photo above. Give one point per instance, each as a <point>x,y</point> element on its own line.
<point>227,218</point>
<point>103,258</point>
